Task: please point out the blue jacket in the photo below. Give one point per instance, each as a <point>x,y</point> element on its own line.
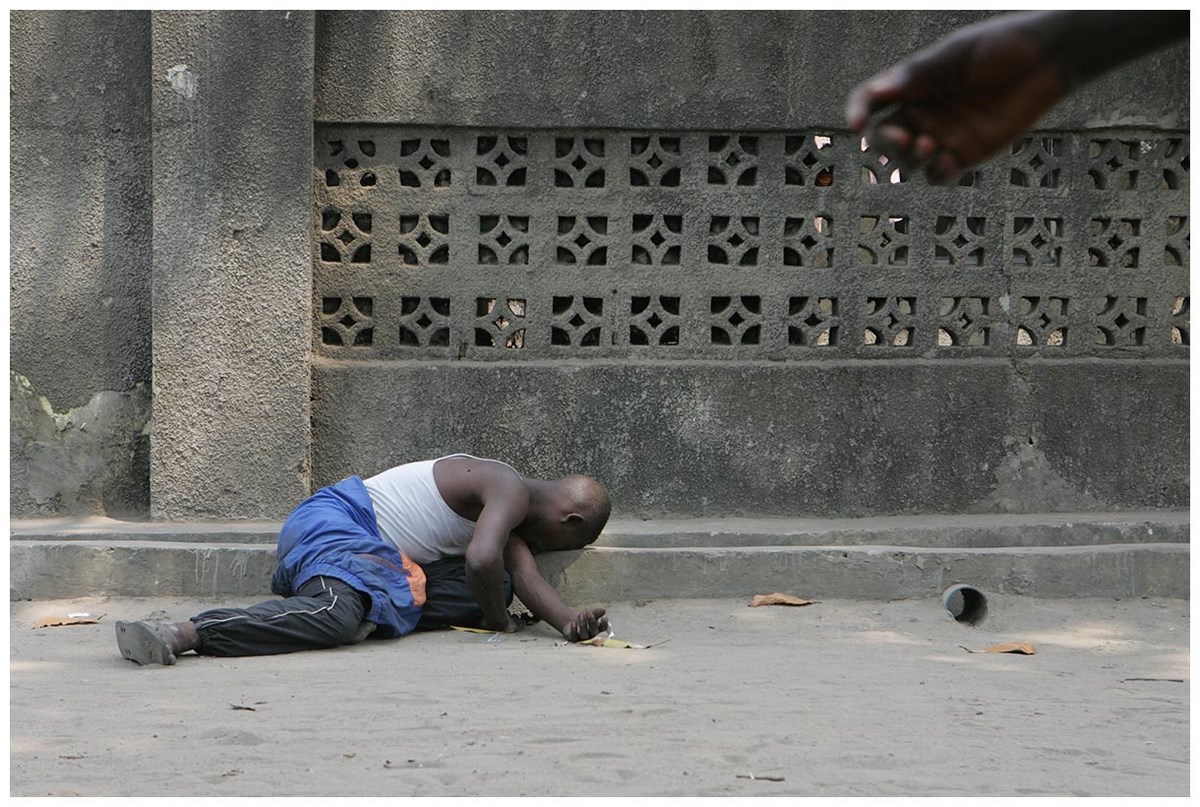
<point>333,533</point>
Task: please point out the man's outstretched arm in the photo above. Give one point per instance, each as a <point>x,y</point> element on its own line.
<point>543,601</point>
<point>505,503</point>
<point>959,101</point>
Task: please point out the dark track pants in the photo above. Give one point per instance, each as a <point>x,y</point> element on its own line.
<point>448,598</point>
<point>326,612</point>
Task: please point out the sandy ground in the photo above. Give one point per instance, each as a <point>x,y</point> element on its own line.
<point>838,698</point>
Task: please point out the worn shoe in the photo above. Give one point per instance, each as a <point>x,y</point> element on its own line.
<point>145,643</point>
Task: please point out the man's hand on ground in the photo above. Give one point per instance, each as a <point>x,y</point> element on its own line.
<point>585,625</point>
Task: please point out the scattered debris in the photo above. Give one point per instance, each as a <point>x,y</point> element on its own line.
<point>69,619</point>
<point>493,636</point>
<point>754,778</point>
<point>1024,648</point>
<point>412,763</point>
<point>598,641</point>
<point>71,756</point>
<point>778,599</point>
<point>608,641</point>
<point>603,641</point>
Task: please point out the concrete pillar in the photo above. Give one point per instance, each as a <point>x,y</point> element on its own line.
<point>79,271</point>
<point>232,127</point>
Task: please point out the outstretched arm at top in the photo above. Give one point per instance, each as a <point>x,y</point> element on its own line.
<point>541,598</point>
<point>957,102</point>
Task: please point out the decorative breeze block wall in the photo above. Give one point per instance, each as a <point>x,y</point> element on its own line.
<point>484,244</point>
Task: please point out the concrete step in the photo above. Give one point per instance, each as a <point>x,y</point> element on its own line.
<point>961,531</point>
<point>982,530</point>
<point>872,572</point>
<point>1048,555</point>
<point>97,528</point>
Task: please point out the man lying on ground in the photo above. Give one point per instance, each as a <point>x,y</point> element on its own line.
<point>424,545</point>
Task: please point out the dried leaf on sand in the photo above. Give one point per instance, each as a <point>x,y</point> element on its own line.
<point>778,599</point>
<point>1024,648</point>
<point>56,621</point>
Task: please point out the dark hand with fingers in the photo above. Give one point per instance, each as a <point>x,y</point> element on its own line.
<point>585,625</point>
<point>956,103</point>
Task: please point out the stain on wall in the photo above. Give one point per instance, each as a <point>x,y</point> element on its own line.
<point>85,460</point>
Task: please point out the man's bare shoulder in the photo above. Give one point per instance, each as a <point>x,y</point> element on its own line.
<point>470,467</point>
<point>467,482</point>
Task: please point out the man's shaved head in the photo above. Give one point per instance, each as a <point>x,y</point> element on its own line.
<point>590,500</point>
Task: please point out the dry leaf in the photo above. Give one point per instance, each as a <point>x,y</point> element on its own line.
<point>56,621</point>
<point>1024,648</point>
<point>777,599</point>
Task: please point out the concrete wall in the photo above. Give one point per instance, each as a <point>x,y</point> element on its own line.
<point>775,439</point>
<point>661,69</point>
<point>773,422</point>
<point>80,255</point>
<point>170,187</point>
<point>232,227</point>
<point>160,196</point>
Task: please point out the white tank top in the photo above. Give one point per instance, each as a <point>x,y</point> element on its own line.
<point>412,514</point>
